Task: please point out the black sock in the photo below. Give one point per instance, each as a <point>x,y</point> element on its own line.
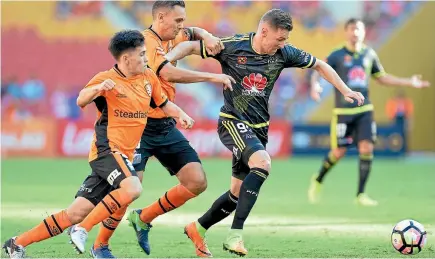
<point>220,209</point>
<point>248,195</point>
<point>365,166</point>
<point>327,164</point>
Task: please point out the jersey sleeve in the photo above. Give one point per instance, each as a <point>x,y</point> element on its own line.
<point>377,68</point>
<point>155,61</point>
<point>96,80</point>
<point>158,98</point>
<point>228,42</point>
<point>295,57</point>
<point>185,34</point>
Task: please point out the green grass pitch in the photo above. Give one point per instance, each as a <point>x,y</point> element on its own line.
<point>282,224</point>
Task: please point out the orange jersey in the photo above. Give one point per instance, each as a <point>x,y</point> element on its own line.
<point>123,111</point>
<point>157,61</point>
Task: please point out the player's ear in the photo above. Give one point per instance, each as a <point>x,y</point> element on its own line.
<point>160,16</point>
<point>264,32</point>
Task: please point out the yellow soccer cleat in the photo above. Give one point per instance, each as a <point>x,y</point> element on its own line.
<point>364,200</point>
<point>314,190</point>
<point>234,243</point>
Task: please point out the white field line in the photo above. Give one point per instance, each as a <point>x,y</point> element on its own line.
<point>270,223</point>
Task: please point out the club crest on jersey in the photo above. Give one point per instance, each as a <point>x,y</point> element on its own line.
<point>148,88</point>
<point>254,84</point>
<point>242,60</point>
<point>347,60</point>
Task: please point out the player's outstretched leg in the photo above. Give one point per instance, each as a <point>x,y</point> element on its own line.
<point>192,183</point>
<point>129,190</point>
<point>259,164</point>
<point>221,208</point>
<point>51,226</point>
<point>365,149</point>
<point>316,180</point>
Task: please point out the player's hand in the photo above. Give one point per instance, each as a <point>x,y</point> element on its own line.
<point>315,92</point>
<point>160,51</point>
<point>106,85</point>
<point>352,95</point>
<point>185,121</point>
<point>213,45</point>
<point>226,80</point>
<point>417,82</point>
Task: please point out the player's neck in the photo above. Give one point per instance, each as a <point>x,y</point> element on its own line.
<point>158,30</point>
<point>256,45</point>
<point>124,71</point>
<point>354,47</point>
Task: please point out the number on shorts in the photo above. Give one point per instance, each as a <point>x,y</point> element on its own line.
<point>113,175</point>
<point>341,130</point>
<point>242,127</point>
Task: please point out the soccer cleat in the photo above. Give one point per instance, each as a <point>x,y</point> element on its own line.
<point>200,242</point>
<point>78,237</point>
<point>234,243</point>
<point>141,228</point>
<point>364,200</point>
<point>101,252</point>
<point>13,250</point>
<point>314,190</point>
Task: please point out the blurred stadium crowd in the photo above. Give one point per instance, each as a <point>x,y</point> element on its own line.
<point>36,89</point>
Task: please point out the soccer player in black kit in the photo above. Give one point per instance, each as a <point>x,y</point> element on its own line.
<point>352,124</point>
<point>254,60</point>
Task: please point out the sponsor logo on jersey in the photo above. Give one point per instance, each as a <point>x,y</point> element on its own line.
<point>254,85</point>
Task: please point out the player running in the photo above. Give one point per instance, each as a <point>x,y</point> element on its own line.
<point>123,96</point>
<point>161,138</point>
<point>255,60</point>
<point>352,125</point>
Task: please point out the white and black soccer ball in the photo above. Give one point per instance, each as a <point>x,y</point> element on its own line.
<point>408,237</point>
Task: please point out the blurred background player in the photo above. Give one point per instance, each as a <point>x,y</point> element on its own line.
<point>255,60</point>
<point>123,95</point>
<point>161,138</point>
<point>352,125</point>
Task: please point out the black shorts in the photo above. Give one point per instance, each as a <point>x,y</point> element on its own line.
<point>348,130</point>
<point>240,139</point>
<point>165,142</point>
<point>107,173</point>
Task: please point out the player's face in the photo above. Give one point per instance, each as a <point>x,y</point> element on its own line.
<point>136,60</point>
<point>356,32</point>
<point>274,39</point>
<point>172,22</point>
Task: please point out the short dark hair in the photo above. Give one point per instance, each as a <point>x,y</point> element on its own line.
<point>279,19</point>
<point>352,21</point>
<point>166,4</point>
<point>125,40</point>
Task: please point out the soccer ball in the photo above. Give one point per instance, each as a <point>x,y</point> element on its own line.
<point>408,237</point>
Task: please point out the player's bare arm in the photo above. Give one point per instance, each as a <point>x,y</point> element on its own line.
<point>172,110</point>
<point>414,81</point>
<point>329,74</point>
<point>182,50</point>
<point>212,44</point>
<point>87,95</point>
<point>315,88</point>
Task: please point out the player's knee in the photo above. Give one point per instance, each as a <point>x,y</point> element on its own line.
<point>192,177</point>
<point>339,153</point>
<point>76,216</point>
<point>365,147</point>
<point>132,187</point>
<point>261,159</point>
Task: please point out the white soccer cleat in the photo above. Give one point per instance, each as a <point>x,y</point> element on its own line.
<point>78,237</point>
<point>13,250</point>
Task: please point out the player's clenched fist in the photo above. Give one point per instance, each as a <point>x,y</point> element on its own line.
<point>106,85</point>
<point>185,121</point>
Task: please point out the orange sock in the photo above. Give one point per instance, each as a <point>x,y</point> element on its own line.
<point>108,226</point>
<point>174,198</point>
<point>49,227</point>
<point>109,205</point>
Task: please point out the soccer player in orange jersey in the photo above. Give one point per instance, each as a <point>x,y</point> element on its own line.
<point>161,138</point>
<point>123,96</point>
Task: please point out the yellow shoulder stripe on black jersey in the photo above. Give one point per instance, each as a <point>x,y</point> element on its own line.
<point>235,39</point>
<point>255,126</point>
<point>379,74</point>
<point>309,63</point>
